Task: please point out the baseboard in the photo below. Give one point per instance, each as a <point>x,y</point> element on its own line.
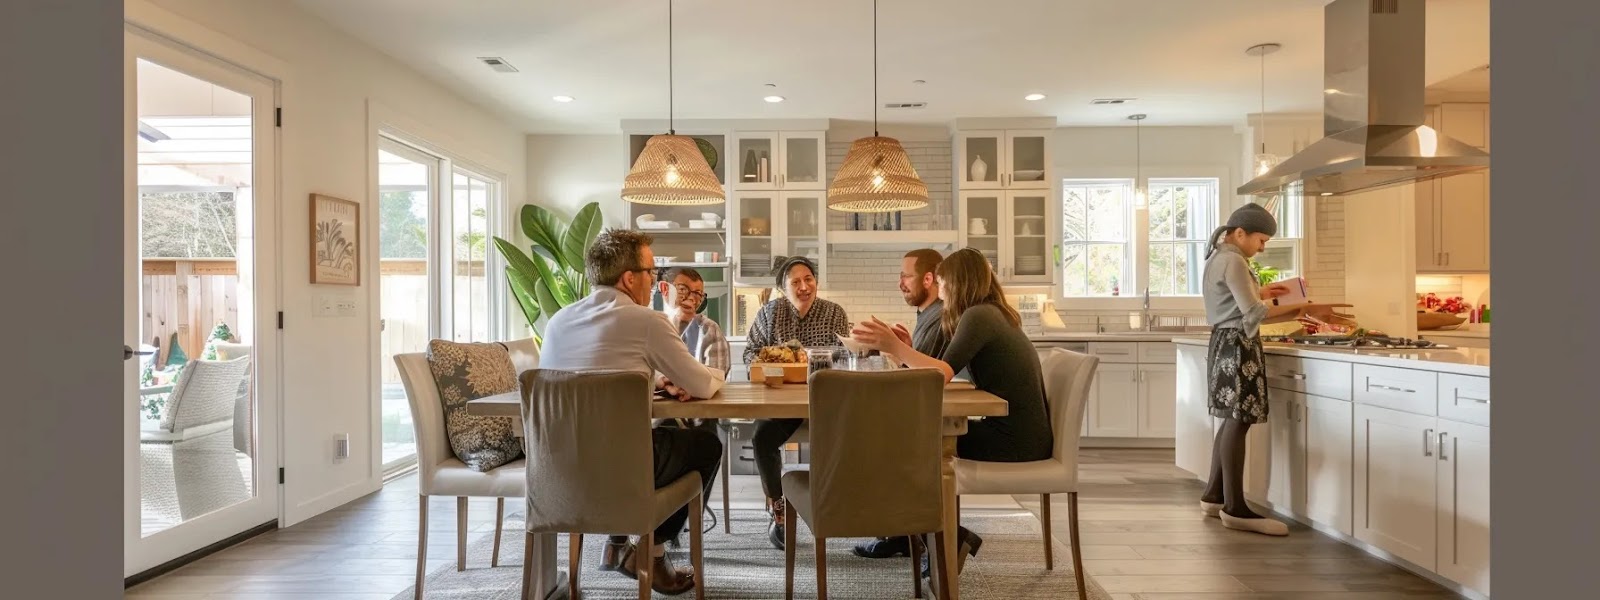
<point>1105,442</point>
<point>174,564</point>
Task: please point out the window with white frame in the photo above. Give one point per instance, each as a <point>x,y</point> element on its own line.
<point>1182,214</point>
<point>1284,251</point>
<point>1096,248</point>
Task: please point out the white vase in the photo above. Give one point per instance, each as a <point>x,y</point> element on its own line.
<point>979,170</point>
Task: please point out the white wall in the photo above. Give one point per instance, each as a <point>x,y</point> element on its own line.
<point>565,172</point>
<point>331,85</point>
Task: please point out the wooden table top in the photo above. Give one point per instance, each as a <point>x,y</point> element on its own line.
<point>740,400</point>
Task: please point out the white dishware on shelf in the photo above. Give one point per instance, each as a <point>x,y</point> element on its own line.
<point>1027,175</point>
<point>659,225</point>
<point>714,218</point>
<point>1027,229</point>
<point>643,219</point>
<point>978,226</point>
<point>665,260</point>
<point>702,224</point>
<point>707,257</point>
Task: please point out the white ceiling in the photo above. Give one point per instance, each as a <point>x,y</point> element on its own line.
<point>1183,60</point>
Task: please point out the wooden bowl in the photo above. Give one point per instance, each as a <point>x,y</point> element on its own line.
<point>792,372</point>
<point>1428,321</point>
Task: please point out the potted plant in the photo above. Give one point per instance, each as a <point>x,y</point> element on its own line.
<point>551,275</point>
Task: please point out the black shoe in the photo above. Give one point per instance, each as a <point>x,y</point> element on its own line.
<point>884,548</point>
<point>967,544</point>
<point>775,535</point>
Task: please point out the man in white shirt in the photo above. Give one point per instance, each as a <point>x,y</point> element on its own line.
<point>613,328</point>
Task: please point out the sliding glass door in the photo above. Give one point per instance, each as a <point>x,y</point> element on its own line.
<point>435,220</point>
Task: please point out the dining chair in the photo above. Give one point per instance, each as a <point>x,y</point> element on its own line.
<point>1067,376</point>
<point>440,473</point>
<point>876,440</point>
<point>188,466</point>
<point>591,468</point>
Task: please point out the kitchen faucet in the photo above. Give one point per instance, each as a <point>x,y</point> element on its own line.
<point>1144,315</point>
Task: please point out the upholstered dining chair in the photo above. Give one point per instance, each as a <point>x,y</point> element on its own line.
<point>440,473</point>
<point>875,464</point>
<point>1067,376</point>
<point>591,468</point>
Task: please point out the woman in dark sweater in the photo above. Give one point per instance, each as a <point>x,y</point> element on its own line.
<point>986,338</point>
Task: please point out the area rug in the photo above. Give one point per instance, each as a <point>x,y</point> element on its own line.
<point>743,566</point>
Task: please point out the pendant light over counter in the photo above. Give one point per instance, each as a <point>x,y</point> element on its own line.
<point>671,170</point>
<point>1263,161</point>
<point>1139,198</point>
<point>877,175</point>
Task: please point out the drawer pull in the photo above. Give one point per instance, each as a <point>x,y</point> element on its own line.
<point>1295,375</point>
<point>1460,397</point>
<point>1391,388</point>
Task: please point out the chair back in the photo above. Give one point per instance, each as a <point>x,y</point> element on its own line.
<point>1067,377</point>
<point>590,453</point>
<point>427,412</point>
<point>524,354</point>
<point>204,394</point>
<point>875,452</point>
<point>242,426</point>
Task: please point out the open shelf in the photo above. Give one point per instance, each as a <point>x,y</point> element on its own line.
<point>893,239</point>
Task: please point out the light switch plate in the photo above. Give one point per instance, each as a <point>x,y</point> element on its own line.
<point>334,306</point>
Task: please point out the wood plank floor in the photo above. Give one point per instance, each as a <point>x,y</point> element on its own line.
<point>1143,537</point>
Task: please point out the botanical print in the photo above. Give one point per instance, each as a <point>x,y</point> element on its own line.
<point>335,248</point>
<point>1238,377</point>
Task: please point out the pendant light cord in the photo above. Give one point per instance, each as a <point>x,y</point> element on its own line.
<point>874,68</point>
<point>1263,100</point>
<point>671,129</point>
<point>1138,153</point>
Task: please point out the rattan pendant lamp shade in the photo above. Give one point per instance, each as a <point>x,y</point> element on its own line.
<point>671,170</point>
<point>877,175</point>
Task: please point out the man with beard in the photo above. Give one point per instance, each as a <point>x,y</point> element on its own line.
<point>920,289</point>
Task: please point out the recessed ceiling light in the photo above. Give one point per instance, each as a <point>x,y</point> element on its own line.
<point>1033,97</point>
<point>772,85</point>
<point>1327,193</point>
<point>919,81</point>
<point>562,98</point>
<point>773,99</point>
<point>1330,91</point>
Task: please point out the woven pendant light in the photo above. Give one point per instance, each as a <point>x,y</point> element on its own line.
<point>671,170</point>
<point>877,175</point>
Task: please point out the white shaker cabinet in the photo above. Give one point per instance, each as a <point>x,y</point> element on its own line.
<point>1463,504</point>
<point>1395,478</point>
<point>1329,468</point>
<point>1113,401</point>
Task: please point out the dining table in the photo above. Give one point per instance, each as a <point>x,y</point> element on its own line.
<point>745,400</point>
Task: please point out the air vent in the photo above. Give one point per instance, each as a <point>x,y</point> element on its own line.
<point>904,105</point>
<point>498,64</point>
<point>1111,100</point>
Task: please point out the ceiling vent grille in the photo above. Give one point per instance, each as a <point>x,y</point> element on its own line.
<point>498,64</point>
<point>1111,100</point>
<point>904,105</point>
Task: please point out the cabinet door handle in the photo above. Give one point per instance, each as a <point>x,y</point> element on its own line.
<point>1427,442</point>
<point>1460,397</point>
<point>1447,259</point>
<point>1391,388</point>
<point>1441,446</point>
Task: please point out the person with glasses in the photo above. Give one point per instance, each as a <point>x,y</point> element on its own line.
<point>685,293</point>
<point>614,328</point>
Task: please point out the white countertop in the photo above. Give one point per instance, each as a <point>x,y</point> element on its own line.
<point>1461,361</point>
<point>1460,333</point>
<point>1089,336</point>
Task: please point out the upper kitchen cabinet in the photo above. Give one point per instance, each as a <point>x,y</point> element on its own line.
<point>1453,212</point>
<point>1013,229</point>
<point>766,227</point>
<point>780,160</point>
<point>1003,158</point>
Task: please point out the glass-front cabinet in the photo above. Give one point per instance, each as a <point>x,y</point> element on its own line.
<point>1003,159</point>
<point>780,160</point>
<point>767,228</point>
<point>1012,230</point>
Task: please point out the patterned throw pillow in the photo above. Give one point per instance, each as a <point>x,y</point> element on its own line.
<point>466,372</point>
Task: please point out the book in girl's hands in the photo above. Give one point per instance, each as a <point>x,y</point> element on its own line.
<point>1297,293</point>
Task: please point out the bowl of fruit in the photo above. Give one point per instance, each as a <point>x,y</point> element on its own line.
<point>1435,313</point>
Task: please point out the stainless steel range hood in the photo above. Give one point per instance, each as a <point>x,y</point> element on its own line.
<point>1372,109</point>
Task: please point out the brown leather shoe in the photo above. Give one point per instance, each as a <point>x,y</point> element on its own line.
<point>611,559</point>
<point>664,577</point>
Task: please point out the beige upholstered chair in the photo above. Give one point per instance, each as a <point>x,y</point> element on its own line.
<point>440,473</point>
<point>1067,376</point>
<point>875,460</point>
<point>591,467</point>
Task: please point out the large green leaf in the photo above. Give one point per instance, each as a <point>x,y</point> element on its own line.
<point>543,227</point>
<point>547,299</point>
<point>514,257</point>
<point>523,289</point>
<point>551,278</point>
<point>580,234</point>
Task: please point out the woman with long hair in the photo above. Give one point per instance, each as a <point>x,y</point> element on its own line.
<point>987,340</point>
<point>1236,307</point>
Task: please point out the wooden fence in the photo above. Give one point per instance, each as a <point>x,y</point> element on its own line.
<point>189,297</point>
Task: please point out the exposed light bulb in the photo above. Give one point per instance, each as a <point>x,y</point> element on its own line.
<point>672,175</point>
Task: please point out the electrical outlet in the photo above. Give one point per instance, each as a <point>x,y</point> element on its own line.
<point>341,446</point>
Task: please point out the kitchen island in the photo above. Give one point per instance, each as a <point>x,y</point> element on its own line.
<point>1387,450</point>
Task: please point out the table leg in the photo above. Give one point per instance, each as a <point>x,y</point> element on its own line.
<point>948,577</point>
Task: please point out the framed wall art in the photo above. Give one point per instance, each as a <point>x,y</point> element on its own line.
<point>335,241</point>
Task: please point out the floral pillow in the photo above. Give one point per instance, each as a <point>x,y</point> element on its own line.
<point>468,371</point>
